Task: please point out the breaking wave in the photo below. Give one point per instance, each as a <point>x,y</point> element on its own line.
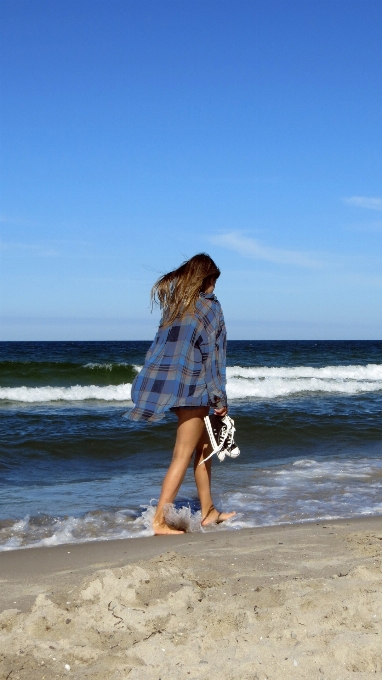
<point>73,393</point>
<point>242,383</point>
<point>269,382</point>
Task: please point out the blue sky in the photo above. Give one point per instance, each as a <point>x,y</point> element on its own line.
<point>135,134</point>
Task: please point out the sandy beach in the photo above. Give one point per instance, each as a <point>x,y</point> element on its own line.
<point>296,601</point>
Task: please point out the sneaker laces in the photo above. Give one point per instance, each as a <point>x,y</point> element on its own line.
<point>226,441</point>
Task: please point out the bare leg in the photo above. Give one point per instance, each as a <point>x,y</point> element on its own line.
<point>203,483</point>
<point>190,430</point>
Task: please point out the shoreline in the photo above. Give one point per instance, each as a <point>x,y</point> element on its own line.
<point>35,569</point>
<point>36,565</point>
<point>283,601</point>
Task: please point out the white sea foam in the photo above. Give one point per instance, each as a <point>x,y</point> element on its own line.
<point>271,382</point>
<point>72,393</point>
<point>371,372</point>
<point>109,366</point>
<point>93,526</point>
<point>242,382</point>
<point>293,491</point>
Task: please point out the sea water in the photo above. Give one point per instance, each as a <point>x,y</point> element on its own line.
<point>74,469</point>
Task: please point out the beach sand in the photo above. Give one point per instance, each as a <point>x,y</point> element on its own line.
<point>295,601</point>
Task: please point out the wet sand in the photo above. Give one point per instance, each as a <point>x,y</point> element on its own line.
<point>295,601</point>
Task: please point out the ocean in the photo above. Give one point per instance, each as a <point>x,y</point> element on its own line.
<point>73,469</point>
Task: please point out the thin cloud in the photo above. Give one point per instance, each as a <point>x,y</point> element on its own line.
<point>372,227</point>
<point>39,250</point>
<point>14,249</point>
<point>364,202</point>
<point>16,221</point>
<point>233,179</point>
<point>250,247</point>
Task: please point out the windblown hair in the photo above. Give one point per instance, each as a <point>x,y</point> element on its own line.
<point>177,292</point>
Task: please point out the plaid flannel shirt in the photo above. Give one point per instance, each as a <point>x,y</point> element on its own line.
<point>185,365</point>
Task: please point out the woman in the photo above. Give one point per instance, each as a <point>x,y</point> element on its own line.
<point>185,372</point>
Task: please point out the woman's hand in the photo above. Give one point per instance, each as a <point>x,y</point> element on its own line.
<point>221,411</point>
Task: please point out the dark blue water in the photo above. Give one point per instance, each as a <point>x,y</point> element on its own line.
<point>72,468</point>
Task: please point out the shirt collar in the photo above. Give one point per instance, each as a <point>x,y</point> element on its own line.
<point>208,296</point>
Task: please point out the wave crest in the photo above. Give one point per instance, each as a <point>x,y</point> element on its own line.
<point>257,382</point>
<point>73,393</point>
<point>270,382</point>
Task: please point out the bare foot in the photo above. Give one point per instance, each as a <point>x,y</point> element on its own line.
<point>163,529</point>
<point>213,516</point>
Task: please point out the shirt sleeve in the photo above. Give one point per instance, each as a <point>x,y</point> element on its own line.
<point>214,350</point>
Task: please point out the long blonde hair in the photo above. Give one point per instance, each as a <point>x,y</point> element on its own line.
<point>177,292</point>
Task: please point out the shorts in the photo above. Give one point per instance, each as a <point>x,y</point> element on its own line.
<point>189,408</point>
